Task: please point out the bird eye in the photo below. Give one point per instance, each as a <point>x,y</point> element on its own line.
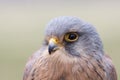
<point>71,37</point>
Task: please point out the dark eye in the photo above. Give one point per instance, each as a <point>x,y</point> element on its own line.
<point>71,37</point>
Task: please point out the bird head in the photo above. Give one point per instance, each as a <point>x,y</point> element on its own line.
<point>73,35</point>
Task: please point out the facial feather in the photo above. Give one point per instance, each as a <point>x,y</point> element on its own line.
<point>89,40</point>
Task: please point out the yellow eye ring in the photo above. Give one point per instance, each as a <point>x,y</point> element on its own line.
<point>71,37</point>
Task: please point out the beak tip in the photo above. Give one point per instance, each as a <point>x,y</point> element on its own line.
<point>49,52</point>
<point>51,49</point>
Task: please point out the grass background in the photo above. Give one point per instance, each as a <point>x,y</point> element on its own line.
<point>22,24</point>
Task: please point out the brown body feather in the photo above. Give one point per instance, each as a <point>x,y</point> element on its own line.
<point>59,66</point>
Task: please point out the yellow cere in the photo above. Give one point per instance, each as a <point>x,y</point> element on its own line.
<point>53,40</point>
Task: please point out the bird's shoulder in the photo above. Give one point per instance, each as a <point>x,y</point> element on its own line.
<point>31,62</point>
<point>111,68</point>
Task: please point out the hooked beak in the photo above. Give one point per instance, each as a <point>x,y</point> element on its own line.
<point>53,45</point>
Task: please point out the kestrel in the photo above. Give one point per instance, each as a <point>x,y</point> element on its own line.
<point>71,50</point>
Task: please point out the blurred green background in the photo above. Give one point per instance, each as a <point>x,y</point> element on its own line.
<point>22,24</point>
